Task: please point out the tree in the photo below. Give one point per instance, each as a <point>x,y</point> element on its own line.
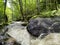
<point>6,18</point>
<point>21,8</point>
<point>38,6</point>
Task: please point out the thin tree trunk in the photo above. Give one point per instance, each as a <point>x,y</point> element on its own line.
<point>56,4</point>
<point>38,6</point>
<point>48,4</point>
<point>6,18</point>
<point>25,8</point>
<point>21,8</point>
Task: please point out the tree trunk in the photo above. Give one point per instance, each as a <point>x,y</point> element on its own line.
<point>56,4</point>
<point>38,6</point>
<point>21,8</point>
<point>5,16</point>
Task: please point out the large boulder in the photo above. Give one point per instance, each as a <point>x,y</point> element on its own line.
<point>39,25</point>
<point>19,33</point>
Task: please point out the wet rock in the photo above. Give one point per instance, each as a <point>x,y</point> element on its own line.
<point>38,26</point>
<point>56,27</point>
<point>50,39</point>
<point>19,33</point>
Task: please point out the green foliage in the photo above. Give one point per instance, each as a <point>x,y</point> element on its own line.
<point>9,14</point>
<point>1,13</point>
<point>1,0</point>
<point>31,8</point>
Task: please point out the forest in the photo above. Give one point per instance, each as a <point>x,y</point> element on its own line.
<point>24,10</point>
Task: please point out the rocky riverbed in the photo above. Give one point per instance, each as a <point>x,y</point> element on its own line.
<point>17,34</point>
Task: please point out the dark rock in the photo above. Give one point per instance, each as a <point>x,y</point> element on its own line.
<point>56,27</point>
<point>38,26</point>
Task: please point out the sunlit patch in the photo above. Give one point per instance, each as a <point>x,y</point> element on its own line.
<point>8,4</point>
